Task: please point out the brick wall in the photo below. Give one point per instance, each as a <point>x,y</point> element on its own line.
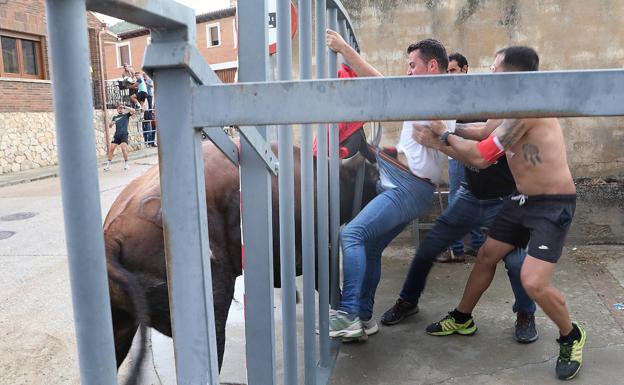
<point>225,52</point>
<point>25,95</point>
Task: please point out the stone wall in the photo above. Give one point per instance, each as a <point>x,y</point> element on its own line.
<point>568,35</point>
<point>28,139</point>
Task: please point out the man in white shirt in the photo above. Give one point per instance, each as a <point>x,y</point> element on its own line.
<point>406,192</point>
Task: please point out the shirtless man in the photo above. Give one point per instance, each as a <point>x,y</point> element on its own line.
<point>539,215</point>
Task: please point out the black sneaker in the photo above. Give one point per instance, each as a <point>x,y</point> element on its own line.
<point>525,328</point>
<point>396,313</point>
<point>570,356</point>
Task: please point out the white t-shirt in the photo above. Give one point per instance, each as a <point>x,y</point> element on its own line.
<point>423,161</point>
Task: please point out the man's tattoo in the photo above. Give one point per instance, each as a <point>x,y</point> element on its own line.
<point>531,154</point>
<point>510,133</point>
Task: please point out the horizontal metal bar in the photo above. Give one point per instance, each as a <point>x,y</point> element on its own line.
<point>501,95</point>
<point>223,141</point>
<point>147,13</point>
<point>343,14</point>
<point>180,55</point>
<point>261,146</point>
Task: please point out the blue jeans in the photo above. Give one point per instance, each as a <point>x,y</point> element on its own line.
<point>367,235</point>
<point>466,212</point>
<point>456,177</point>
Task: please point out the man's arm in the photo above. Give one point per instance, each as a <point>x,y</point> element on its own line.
<point>336,43</point>
<point>424,135</point>
<point>484,153</point>
<point>477,131</point>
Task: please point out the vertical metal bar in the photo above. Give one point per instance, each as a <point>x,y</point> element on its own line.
<point>256,198</point>
<point>307,202</point>
<point>334,181</point>
<point>287,203</point>
<point>185,228</point>
<point>342,28</point>
<point>80,190</point>
<point>322,194</point>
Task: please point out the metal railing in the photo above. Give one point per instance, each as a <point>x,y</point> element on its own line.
<point>191,100</point>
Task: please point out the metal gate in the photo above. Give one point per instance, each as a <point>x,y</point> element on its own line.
<point>191,99</point>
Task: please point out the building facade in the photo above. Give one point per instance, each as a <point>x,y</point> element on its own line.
<point>217,40</point>
<point>27,131</point>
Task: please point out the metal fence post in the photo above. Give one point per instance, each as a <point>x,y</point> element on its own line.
<point>322,194</point>
<point>256,213</point>
<point>73,114</point>
<point>307,202</point>
<point>334,180</point>
<point>185,226</point>
<point>286,204</point>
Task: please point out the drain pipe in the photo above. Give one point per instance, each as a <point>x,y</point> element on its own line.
<point>103,89</point>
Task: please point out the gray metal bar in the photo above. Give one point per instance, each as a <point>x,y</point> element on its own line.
<point>257,223</point>
<point>343,14</point>
<point>152,14</point>
<point>334,182</point>
<point>168,55</point>
<point>186,231</point>
<point>225,144</point>
<point>342,29</point>
<point>538,94</point>
<point>307,203</point>
<point>287,204</point>
<point>322,192</point>
<point>260,145</point>
<point>80,190</point>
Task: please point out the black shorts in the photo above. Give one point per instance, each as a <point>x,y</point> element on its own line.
<point>120,138</point>
<point>541,221</point>
<point>142,96</point>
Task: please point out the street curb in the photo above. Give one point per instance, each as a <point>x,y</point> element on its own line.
<point>53,171</point>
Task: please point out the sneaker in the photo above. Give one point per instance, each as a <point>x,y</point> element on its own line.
<point>341,325</point>
<point>570,356</point>
<point>370,327</point>
<point>447,326</point>
<point>447,257</point>
<point>107,167</point>
<point>396,313</point>
<point>126,166</point>
<point>525,328</point>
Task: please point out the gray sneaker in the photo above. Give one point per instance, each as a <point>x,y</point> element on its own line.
<point>342,324</point>
<point>370,326</point>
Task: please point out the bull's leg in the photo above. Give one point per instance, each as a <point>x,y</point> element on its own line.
<point>124,329</point>
<point>223,292</point>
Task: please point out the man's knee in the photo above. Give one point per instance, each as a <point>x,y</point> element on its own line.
<point>533,285</point>
<point>486,256</point>
<point>351,233</point>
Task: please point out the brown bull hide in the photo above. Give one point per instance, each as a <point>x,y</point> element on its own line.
<point>135,246</point>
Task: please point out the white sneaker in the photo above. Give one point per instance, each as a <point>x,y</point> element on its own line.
<point>370,326</point>
<point>126,166</point>
<point>107,167</point>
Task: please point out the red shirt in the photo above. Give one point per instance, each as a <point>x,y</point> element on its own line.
<point>345,130</point>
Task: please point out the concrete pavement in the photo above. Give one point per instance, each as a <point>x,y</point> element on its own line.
<point>38,342</point>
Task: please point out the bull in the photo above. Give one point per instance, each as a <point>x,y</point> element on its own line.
<point>134,244</point>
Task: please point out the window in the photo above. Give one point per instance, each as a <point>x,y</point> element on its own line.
<point>21,56</point>
<point>213,35</point>
<point>123,54</point>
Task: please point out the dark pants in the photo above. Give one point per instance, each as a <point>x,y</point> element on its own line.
<point>466,212</point>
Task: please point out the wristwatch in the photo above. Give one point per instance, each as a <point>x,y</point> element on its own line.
<point>444,137</point>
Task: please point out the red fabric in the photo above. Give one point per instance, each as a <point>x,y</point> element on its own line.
<point>345,130</point>
<point>489,149</point>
